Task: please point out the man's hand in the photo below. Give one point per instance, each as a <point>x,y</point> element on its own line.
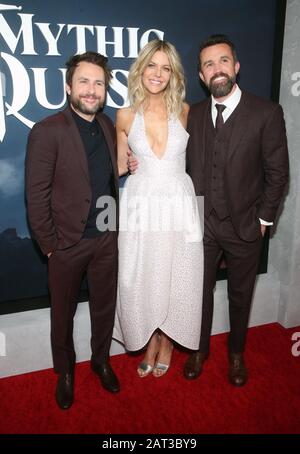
<point>132,162</point>
<point>263,229</point>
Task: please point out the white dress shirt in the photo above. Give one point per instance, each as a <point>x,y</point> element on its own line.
<point>231,103</point>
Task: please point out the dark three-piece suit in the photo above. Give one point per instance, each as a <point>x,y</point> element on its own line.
<point>241,171</point>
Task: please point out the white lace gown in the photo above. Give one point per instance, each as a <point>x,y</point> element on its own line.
<point>160,245</point>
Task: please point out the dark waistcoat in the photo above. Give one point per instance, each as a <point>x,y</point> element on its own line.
<point>215,160</point>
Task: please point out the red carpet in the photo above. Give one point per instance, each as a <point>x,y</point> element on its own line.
<point>269,403</point>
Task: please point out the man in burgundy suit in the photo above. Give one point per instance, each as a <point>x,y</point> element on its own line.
<point>237,158</point>
<point>71,178</point>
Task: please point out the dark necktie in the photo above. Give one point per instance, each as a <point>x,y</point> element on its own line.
<point>219,119</point>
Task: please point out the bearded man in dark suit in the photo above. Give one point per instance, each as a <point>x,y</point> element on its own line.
<point>237,158</point>
<point>71,178</point>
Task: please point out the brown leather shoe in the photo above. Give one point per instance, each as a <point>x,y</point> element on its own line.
<point>64,393</point>
<point>194,364</point>
<point>108,378</point>
<point>237,371</point>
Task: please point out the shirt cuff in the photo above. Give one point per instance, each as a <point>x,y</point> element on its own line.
<point>265,222</point>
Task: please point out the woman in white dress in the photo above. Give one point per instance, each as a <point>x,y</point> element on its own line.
<point>160,240</point>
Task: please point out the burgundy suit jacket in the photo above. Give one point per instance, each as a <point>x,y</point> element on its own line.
<point>58,189</point>
<point>256,169</point>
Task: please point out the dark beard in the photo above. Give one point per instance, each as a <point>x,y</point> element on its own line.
<point>80,107</point>
<point>221,89</point>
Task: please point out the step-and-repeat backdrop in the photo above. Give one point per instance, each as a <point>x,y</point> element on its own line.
<point>37,38</point>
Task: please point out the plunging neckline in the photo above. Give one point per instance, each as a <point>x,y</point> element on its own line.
<point>147,141</point>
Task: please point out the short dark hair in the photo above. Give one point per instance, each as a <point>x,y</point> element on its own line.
<point>89,57</point>
<point>218,39</point>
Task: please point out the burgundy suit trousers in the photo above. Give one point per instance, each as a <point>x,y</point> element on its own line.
<point>242,260</point>
<point>98,257</point>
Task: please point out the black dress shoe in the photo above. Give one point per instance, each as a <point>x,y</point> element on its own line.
<point>64,394</point>
<point>194,365</point>
<point>237,371</point>
<point>108,379</point>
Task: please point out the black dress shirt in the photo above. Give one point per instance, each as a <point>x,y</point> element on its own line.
<point>100,168</point>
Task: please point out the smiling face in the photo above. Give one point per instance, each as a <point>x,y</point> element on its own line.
<point>157,73</point>
<point>218,70</point>
<point>87,91</point>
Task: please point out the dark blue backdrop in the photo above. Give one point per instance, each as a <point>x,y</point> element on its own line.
<point>38,38</point>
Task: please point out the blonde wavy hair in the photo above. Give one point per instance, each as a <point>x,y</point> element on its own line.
<point>174,93</point>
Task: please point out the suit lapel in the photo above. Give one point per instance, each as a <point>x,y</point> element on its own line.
<point>109,141</point>
<point>204,125</point>
<point>240,126</point>
<point>77,142</point>
<point>79,147</point>
<point>112,150</point>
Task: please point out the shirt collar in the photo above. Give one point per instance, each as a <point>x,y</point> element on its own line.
<point>232,101</point>
<point>85,125</point>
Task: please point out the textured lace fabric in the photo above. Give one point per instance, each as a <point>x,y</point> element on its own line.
<point>160,245</point>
